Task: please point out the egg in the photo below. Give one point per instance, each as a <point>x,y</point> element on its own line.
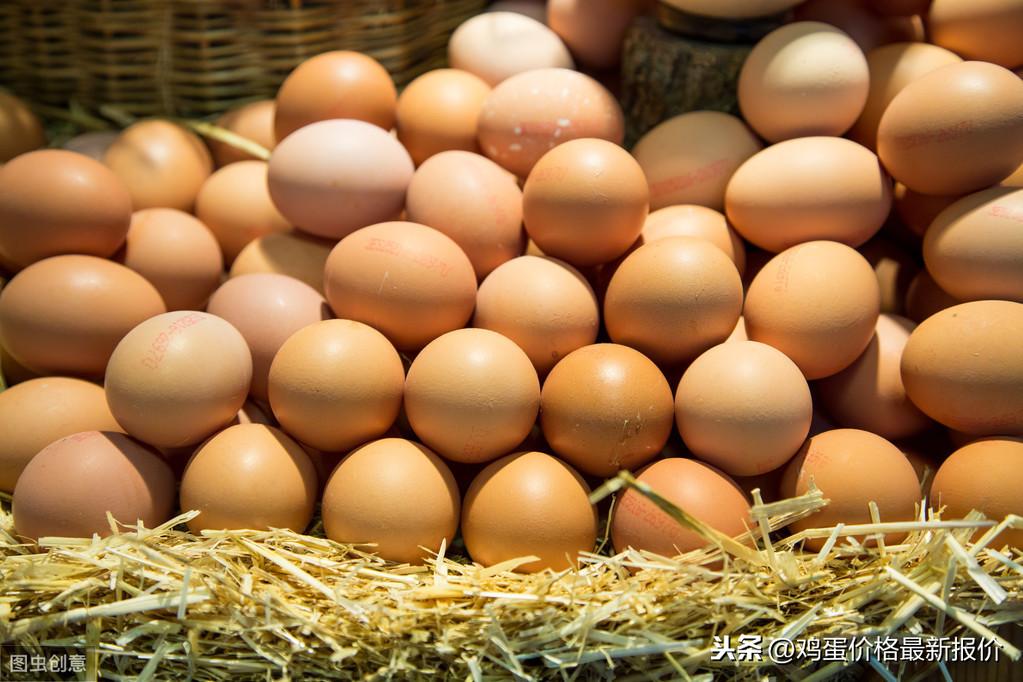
<point>253,121</point>
<point>1014,180</point>
<point>672,299</point>
<point>811,188</point>
<point>738,333</point>
<point>529,114</point>
<point>20,129</point>
<point>411,282</point>
<point>65,315</point>
<point>857,18</point>
<point>818,303</point>
<point>472,395</point>
<point>94,144</point>
<point>68,488</point>
<point>267,308</point>
<point>594,31</point>
<point>801,80</point>
<point>696,221</point>
<point>542,304</point>
<point>335,85</point>
<point>699,489</point>
<point>962,367</point>
<point>333,177</point>
<point>359,500</point>
<point>986,30</point>
<point>985,475</point>
<point>162,164</point>
<point>474,201</point>
<point>38,412</point>
<point>336,384</point>
<point>12,371</point>
<point>917,211</point>
<point>440,111</point>
<point>606,407</point>
<point>177,254</point>
<point>55,202</point>
<point>528,504</point>
<point>974,248</point>
<point>497,45</point>
<point>290,253</point>
<point>743,407</point>
<point>178,377</point>
<point>924,297</point>
<point>894,267</point>
<point>732,9</point>
<point>955,130</point>
<point>853,468</point>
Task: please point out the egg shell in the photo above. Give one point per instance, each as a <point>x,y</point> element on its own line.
<point>857,18</point>
<point>1014,180</point>
<point>333,177</point>
<point>55,202</point>
<point>818,303</point>
<point>696,221</point>
<point>986,475</point>
<point>267,308</point>
<point>924,297</point>
<point>497,45</point>
<point>695,487</point>
<point>743,407</point>
<point>93,144</point>
<point>593,31</point>
<point>65,314</point>
<point>290,253</point>
<point>335,85</point>
<point>178,377</point>
<point>738,333</point>
<point>336,384</point>
<point>895,267</point>
<point>853,468</point>
<point>529,504</point>
<point>253,121</point>
<point>917,211</point>
<point>20,129</point>
<point>962,367</point>
<point>732,9</point>
<point>13,372</point>
<point>411,282</point>
<point>440,111</point>
<point>161,163</point>
<point>987,30</point>
<point>474,201</point>
<point>529,114</point>
<point>359,500</point>
<point>542,304</point>
<point>808,189</point>
<point>955,130</point>
<point>70,485</point>
<point>606,407</point>
<point>689,158</point>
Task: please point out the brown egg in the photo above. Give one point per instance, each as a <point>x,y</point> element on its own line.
<point>253,121</point>
<point>868,28</point>
<point>267,308</point>
<point>474,201</point>
<point>529,114</point>
<point>803,79</point>
<point>12,371</point>
<point>893,67</point>
<point>917,211</point>
<point>332,85</point>
<point>769,485</point>
<point>497,45</point>
<point>472,395</point>
<point>178,377</point>
<point>177,254</point>
<point>924,298</point>
<point>818,303</point>
<point>234,203</point>
<point>808,189</point>
<point>988,30</point>
<point>359,500</point>
<point>689,158</point>
<point>974,248</point>
<point>410,281</point>
<point>55,202</point>
<point>336,384</point>
<point>529,504</point>
<point>334,177</point>
<point>585,202</point>
<point>594,31</point>
<point>672,299</point>
<point>440,111</point>
<point>743,407</point>
<point>894,267</point>
<point>162,164</point>
<point>696,221</point>
<point>955,130</point>
<point>986,475</point>
<point>699,489</point>
<point>70,486</point>
<point>962,367</point>
<point>290,253</point>
<point>542,304</point>
<point>739,333</point>
<point>853,468</point>
<point>20,129</point>
<point>94,144</point>
<point>1016,179</point>
<point>65,315</point>
<point>37,412</point>
<point>606,407</point>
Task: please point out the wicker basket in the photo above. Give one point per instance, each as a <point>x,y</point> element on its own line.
<point>197,57</point>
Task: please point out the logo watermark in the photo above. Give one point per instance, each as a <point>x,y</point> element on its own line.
<point>754,648</point>
<point>43,663</point>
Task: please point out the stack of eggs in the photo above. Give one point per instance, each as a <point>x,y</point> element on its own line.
<point>459,308</point>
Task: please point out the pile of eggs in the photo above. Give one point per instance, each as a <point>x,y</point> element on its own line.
<point>457,309</point>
